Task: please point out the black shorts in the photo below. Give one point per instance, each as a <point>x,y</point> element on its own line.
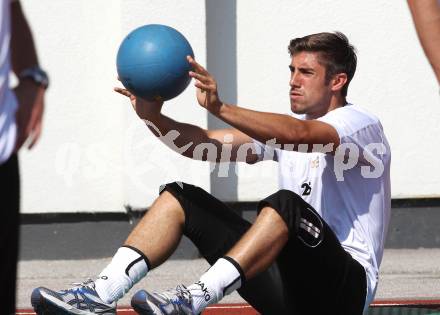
<point>313,274</point>
<point>9,225</point>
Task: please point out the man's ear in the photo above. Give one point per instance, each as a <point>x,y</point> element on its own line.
<point>338,81</point>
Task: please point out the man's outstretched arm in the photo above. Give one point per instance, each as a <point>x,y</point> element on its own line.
<point>190,140</point>
<point>287,131</point>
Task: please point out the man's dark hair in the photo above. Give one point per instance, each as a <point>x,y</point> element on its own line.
<point>336,54</point>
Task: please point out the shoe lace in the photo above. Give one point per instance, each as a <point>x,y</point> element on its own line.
<point>180,293</point>
<point>89,283</point>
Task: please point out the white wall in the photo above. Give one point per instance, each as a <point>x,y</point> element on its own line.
<point>95,155</point>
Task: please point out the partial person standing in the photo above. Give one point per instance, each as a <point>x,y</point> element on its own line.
<point>426,17</point>
<point>21,112</point>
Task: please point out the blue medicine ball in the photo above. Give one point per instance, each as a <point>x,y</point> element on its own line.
<point>151,62</point>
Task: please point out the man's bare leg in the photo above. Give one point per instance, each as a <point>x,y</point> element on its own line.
<point>151,242</point>
<point>253,253</point>
<point>261,244</point>
<point>160,230</point>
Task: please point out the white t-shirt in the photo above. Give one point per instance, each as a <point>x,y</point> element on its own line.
<point>353,198</point>
<point>8,102</point>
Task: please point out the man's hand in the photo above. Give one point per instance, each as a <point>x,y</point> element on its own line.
<point>144,109</point>
<point>207,94</point>
<point>29,115</point>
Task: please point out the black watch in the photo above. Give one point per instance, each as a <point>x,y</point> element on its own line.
<point>35,73</point>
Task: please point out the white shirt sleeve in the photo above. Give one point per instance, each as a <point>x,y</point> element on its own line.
<point>361,133</point>
<point>8,100</point>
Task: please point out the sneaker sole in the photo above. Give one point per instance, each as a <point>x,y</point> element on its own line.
<point>40,306</point>
<point>46,304</point>
<point>141,306</point>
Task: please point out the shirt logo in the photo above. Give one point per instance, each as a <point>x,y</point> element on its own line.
<point>314,163</point>
<point>307,189</point>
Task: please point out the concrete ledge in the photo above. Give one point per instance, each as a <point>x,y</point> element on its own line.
<point>97,235</point>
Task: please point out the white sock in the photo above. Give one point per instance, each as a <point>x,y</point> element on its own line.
<point>224,277</point>
<point>127,267</point>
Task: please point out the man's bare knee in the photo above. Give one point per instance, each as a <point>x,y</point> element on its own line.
<point>167,205</point>
<point>270,217</point>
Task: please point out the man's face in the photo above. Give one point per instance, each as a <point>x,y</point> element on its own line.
<point>309,92</point>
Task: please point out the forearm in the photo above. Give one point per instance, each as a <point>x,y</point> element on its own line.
<point>263,126</point>
<point>23,52</point>
<point>426,16</point>
<point>182,138</point>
